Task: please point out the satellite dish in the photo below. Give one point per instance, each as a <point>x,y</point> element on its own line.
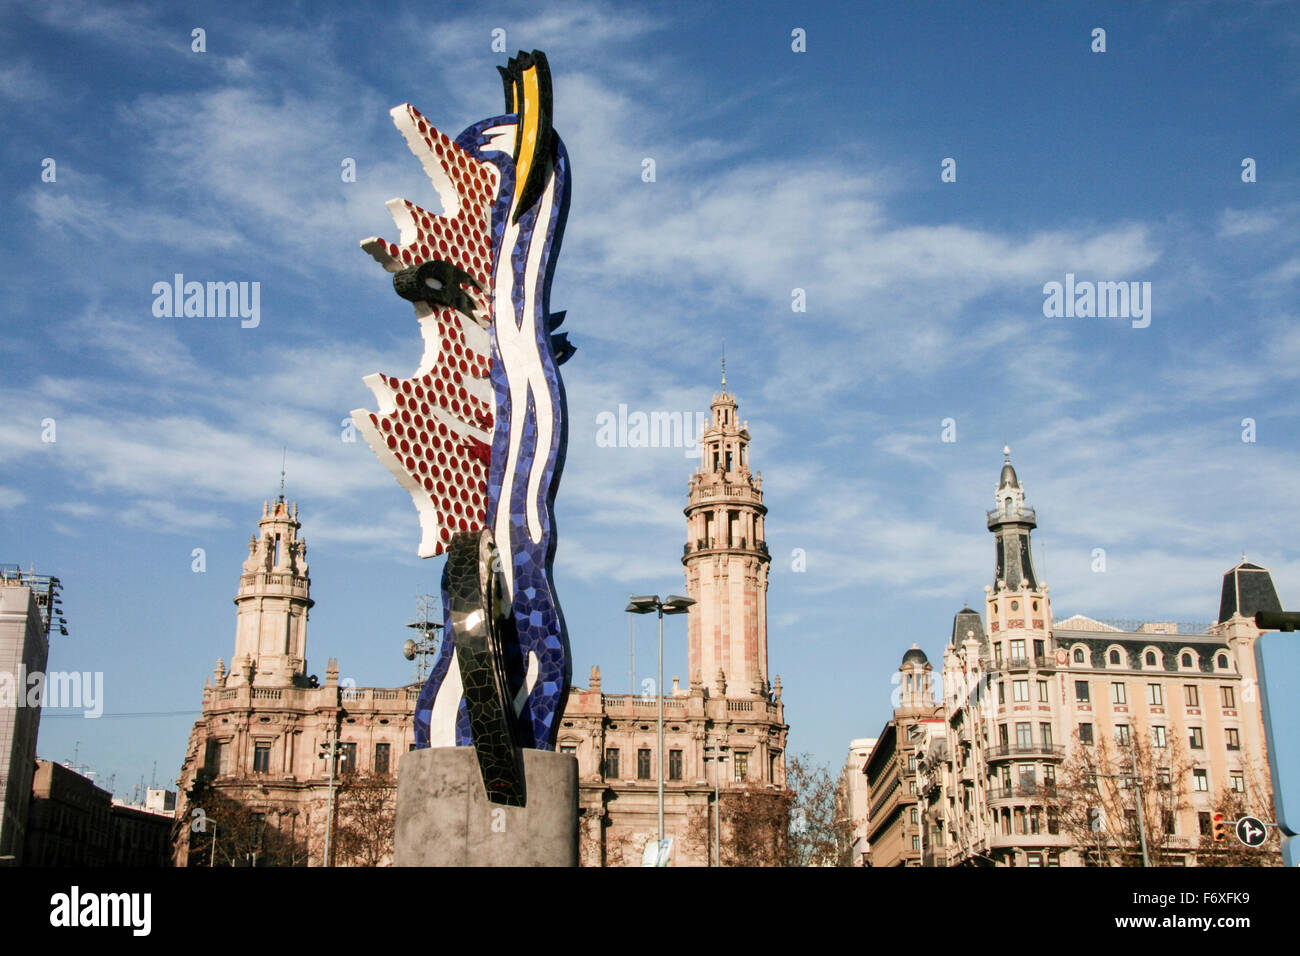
<point>408,650</point>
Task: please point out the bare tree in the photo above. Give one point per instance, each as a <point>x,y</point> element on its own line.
<point>799,825</point>
<point>1097,801</point>
<point>1255,800</point>
<point>228,827</point>
<point>366,820</point>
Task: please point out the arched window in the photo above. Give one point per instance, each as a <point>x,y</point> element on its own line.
<point>1187,660</point>
<point>1078,655</point>
<point>1222,661</point>
<point>1151,658</point>
<point>1008,505</point>
<point>1114,657</point>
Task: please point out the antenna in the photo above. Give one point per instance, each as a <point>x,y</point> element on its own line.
<point>284,457</point>
<point>631,646</point>
<point>724,365</point>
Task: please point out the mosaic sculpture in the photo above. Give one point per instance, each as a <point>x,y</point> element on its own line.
<point>477,435</point>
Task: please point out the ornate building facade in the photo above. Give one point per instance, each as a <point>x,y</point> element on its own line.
<point>727,727</point>
<point>1071,742</point>
<point>264,734</point>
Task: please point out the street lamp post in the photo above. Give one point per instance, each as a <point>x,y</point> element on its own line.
<point>331,753</point>
<point>716,754</point>
<point>673,604</point>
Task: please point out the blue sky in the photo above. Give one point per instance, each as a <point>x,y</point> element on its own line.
<point>775,171</point>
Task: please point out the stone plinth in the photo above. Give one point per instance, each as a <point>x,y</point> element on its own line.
<point>444,817</point>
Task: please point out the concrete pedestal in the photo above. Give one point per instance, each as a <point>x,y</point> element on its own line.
<point>444,817</point>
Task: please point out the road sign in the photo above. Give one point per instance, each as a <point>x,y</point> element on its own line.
<point>1251,831</point>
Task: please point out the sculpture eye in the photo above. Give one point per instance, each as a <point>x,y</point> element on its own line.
<point>438,283</point>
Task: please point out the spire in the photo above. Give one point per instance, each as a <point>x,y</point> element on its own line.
<point>724,366</point>
<point>1012,521</point>
<point>284,458</point>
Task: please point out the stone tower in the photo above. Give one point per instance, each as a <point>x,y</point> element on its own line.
<point>272,601</point>
<point>1017,601</point>
<point>726,560</point>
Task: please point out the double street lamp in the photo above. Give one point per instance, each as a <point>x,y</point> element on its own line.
<point>648,604</point>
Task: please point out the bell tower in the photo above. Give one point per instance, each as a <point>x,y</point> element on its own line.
<point>726,560</point>
<point>272,602</point>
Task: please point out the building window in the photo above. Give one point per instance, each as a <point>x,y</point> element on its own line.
<point>1115,658</point>
<point>1170,822</point>
<point>1238,782</point>
<point>911,763</point>
<point>262,758</point>
<point>1034,859</point>
<point>1042,691</point>
<point>1045,734</point>
<point>1191,695</point>
<point>1201,780</point>
<point>1162,778</point>
<point>1081,691</point>
<point>1155,695</point>
<point>997,654</point>
<point>911,787</point>
<point>1158,737</point>
<point>1005,774</point>
<point>916,816</point>
<point>1049,776</point>
<point>1021,690</point>
<point>742,765</point>
<point>674,765</point>
<point>1229,697</point>
<point>347,758</point>
<point>1002,692</point>
<point>1018,650</point>
<point>382,754</point>
<point>1151,658</point>
<point>1039,653</point>
<point>1078,655</point>
<point>1053,822</point>
<point>1085,733</point>
<point>214,761</point>
<point>1195,739</point>
<point>568,749</point>
<point>1121,735</point>
<point>916,842</point>
<point>611,762</point>
<point>1203,820</point>
<point>1233,737</point>
<point>1222,662</point>
<point>1187,660</point>
<point>1117,693</point>
<point>1023,738</point>
<point>643,764</point>
<point>1003,739</point>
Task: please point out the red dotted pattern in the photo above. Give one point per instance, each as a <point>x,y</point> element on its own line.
<point>451,468</point>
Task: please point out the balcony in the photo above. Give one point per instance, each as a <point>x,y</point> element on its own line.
<point>1012,751</point>
<point>999,515</point>
<point>1037,792</point>
<point>1018,663</point>
<point>717,544</point>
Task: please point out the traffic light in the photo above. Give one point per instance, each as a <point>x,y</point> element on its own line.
<point>1219,827</point>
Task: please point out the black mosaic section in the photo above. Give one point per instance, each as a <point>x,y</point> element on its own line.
<point>482,623</point>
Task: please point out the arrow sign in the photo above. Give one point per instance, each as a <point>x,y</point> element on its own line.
<point>1251,831</point>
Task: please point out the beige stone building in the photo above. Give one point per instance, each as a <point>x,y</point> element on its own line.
<point>851,800</point>
<point>264,733</point>
<point>1037,714</point>
<point>28,610</point>
<point>729,710</point>
<point>893,825</point>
